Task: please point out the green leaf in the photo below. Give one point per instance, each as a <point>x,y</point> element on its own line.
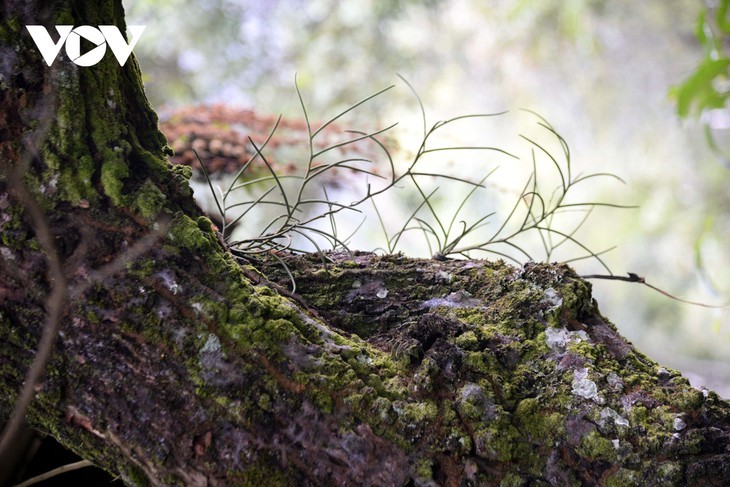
<point>698,91</point>
<point>721,17</point>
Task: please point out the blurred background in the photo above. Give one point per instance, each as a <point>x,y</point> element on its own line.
<point>602,73</point>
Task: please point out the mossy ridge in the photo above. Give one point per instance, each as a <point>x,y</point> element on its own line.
<point>514,383</point>
<point>504,355</point>
<point>251,321</point>
<point>528,385</point>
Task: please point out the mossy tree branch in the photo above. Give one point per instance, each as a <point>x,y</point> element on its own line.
<point>185,368</point>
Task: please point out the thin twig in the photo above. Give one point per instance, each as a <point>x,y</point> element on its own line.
<point>54,308</point>
<point>60,292</point>
<point>56,471</point>
<point>636,278</point>
<point>120,262</point>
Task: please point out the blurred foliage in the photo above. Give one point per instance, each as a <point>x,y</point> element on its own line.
<point>246,51</point>
<point>707,87</point>
<point>704,93</point>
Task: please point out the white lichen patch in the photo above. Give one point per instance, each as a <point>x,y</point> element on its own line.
<point>212,345</point>
<point>584,387</point>
<point>679,424</point>
<point>51,187</point>
<point>7,253</point>
<point>169,281</point>
<point>211,355</point>
<point>618,420</point>
<point>445,276</point>
<point>178,335</point>
<point>558,338</point>
<point>458,299</point>
<point>614,381</point>
<point>470,391</point>
<point>553,299</point>
<point>364,359</point>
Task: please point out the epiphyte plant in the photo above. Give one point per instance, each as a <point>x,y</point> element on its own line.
<point>307,213</point>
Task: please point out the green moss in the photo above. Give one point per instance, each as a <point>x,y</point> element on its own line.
<point>623,477</point>
<point>423,469</point>
<point>9,29</point>
<point>239,313</point>
<point>663,417</point>
<point>148,200</point>
<point>467,341</point>
<point>158,166</point>
<point>213,311</point>
<point>112,173</point>
<point>14,232</point>
<point>82,187</point>
<point>134,477</point>
<point>496,441</point>
<point>205,224</point>
<point>553,319</point>
<point>418,412</point>
<point>688,399</point>
<point>382,409</point>
<point>585,349</point>
<point>268,306</point>
<point>670,473</point>
<point>186,233</point>
<point>471,402</point>
<point>262,473</point>
<point>539,424</point>
<point>511,480</point>
<point>181,172</point>
<point>478,363</point>
<point>593,446</point>
<point>469,315</point>
<point>325,402</point>
<point>264,402</point>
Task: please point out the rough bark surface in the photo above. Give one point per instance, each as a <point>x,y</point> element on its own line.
<point>185,368</point>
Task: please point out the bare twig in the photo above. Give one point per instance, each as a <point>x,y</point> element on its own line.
<point>59,290</point>
<point>55,303</point>
<point>117,265</point>
<point>54,308</point>
<point>641,280</point>
<point>56,471</point>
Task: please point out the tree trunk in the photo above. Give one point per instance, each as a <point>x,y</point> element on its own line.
<point>178,366</point>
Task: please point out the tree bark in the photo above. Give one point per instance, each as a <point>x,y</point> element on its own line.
<point>182,367</point>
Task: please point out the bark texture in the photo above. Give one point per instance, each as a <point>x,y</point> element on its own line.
<point>185,368</point>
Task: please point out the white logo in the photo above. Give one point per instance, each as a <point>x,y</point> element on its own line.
<point>105,34</point>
